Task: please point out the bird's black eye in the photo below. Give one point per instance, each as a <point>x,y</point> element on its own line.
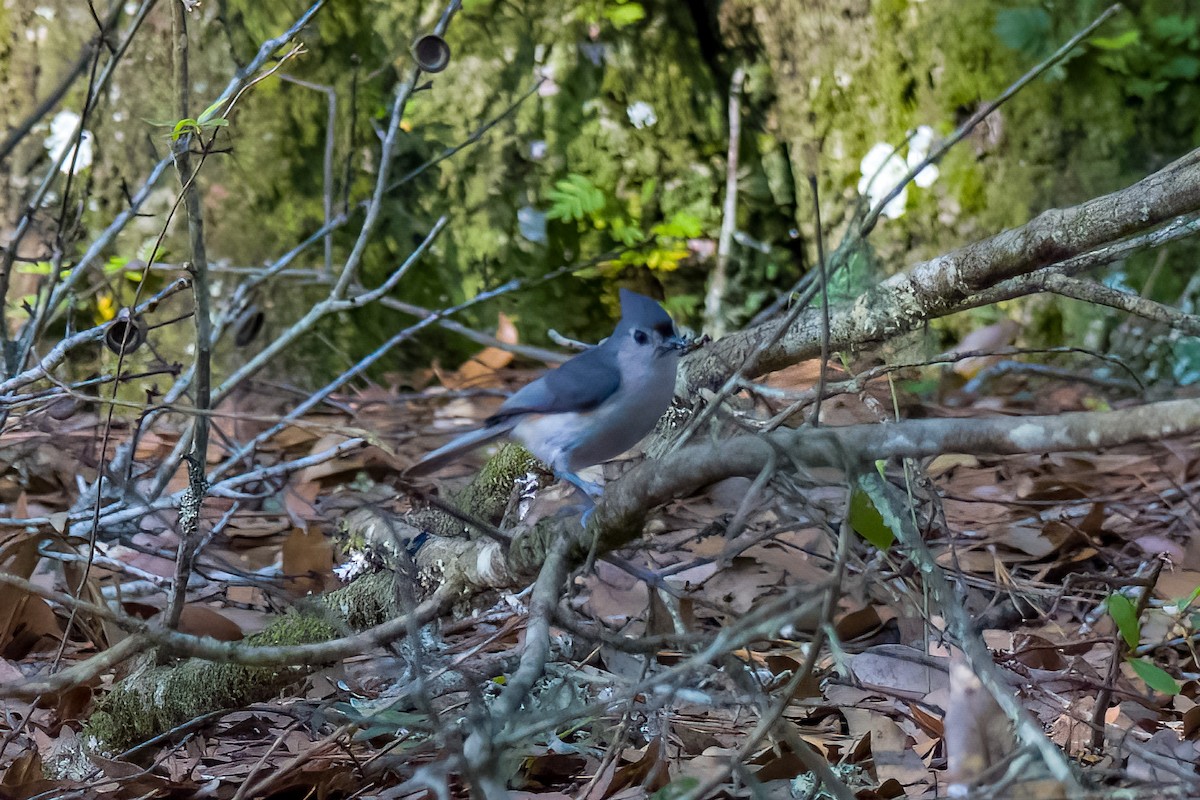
<point>640,337</point>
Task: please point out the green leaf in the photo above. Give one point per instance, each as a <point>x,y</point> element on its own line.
<point>115,264</point>
<point>1183,67</point>
<point>648,190</point>
<point>627,234</point>
<point>679,787</point>
<point>625,14</point>
<point>681,225</point>
<point>149,254</point>
<point>1024,29</point>
<point>867,522</point>
<point>1146,89</point>
<point>1175,29</point>
<point>206,114</point>
<point>1155,676</point>
<point>1121,609</point>
<point>40,268</point>
<point>183,128</point>
<point>1118,42</point>
<point>574,198</point>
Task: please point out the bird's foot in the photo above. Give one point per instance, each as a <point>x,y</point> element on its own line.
<point>592,490</point>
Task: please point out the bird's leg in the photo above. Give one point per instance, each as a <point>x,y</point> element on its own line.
<point>592,490</point>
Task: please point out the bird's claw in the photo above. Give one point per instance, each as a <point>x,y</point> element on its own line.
<point>592,490</point>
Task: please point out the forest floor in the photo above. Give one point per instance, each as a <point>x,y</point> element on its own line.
<point>1035,544</point>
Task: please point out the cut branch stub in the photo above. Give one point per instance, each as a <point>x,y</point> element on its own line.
<point>126,333</point>
<point>431,52</point>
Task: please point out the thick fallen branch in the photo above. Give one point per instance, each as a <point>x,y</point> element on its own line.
<point>232,674</point>
<point>619,517</point>
<point>937,287</point>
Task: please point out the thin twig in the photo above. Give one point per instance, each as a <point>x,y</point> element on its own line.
<point>959,625</point>
<point>190,508</point>
<point>714,321</point>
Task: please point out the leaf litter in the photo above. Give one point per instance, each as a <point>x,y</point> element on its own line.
<point>1035,543</point>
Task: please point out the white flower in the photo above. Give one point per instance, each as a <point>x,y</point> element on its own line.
<point>918,149</point>
<point>62,137</point>
<point>641,115</point>
<point>881,170</point>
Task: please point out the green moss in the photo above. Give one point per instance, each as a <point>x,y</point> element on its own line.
<point>157,698</point>
<point>488,493</point>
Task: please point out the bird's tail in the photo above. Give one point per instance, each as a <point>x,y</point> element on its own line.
<point>457,447</point>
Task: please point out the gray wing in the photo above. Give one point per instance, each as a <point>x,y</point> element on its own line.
<point>581,384</point>
<point>452,450</point>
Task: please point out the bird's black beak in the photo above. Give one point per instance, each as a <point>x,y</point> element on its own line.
<point>673,343</point>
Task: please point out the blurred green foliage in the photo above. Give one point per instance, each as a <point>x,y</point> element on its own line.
<point>619,151</point>
<point>621,147</point>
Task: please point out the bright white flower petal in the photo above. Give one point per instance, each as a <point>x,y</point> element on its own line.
<point>62,130</point>
<point>918,148</point>
<point>641,114</point>
<point>882,169</point>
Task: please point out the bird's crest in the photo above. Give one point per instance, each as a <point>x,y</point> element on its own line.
<point>641,311</point>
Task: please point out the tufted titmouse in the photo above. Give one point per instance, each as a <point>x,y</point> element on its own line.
<point>593,407</point>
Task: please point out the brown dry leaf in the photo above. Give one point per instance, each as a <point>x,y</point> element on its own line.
<point>36,628</point>
<point>348,463</point>
<point>854,624</point>
<point>778,763</point>
<point>1191,722</point>
<point>1072,731</point>
<point>24,777</point>
<point>1163,748</point>
<point>899,669</point>
<point>1177,584</point>
<point>73,704</point>
<point>649,771</point>
<point>18,557</point>
<point>797,376</point>
<point>977,560</point>
<point>480,370</point>
<point>894,757</point>
<point>784,667</point>
<point>200,620</point>
<point>294,436</point>
<point>996,336</point>
<point>307,562</point>
<point>924,713</point>
<point>949,461</point>
<point>663,621</point>
<point>613,596</point>
<point>300,500</point>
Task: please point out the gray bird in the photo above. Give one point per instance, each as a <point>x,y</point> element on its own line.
<point>593,407</point>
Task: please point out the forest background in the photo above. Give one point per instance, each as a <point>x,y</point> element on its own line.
<point>611,135</point>
<point>260,256</point>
